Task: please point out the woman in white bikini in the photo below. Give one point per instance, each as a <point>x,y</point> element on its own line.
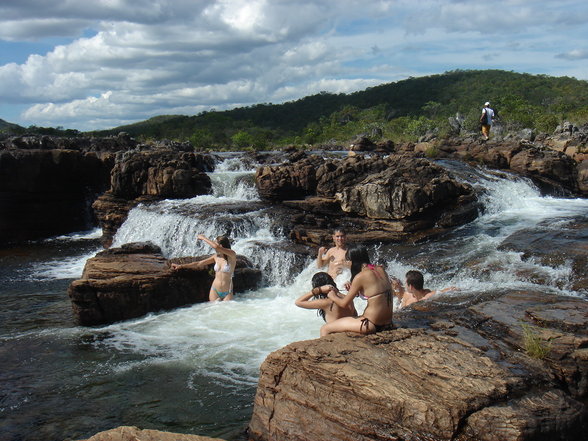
<point>225,261</point>
<point>316,298</point>
<point>370,282</point>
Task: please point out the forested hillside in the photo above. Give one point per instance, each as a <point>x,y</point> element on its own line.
<point>399,111</point>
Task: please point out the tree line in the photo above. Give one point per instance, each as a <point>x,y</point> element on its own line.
<point>400,111</point>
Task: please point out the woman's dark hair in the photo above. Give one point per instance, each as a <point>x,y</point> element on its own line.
<point>320,279</point>
<point>224,242</point>
<point>358,255</point>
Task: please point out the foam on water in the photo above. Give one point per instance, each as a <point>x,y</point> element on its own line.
<point>224,343</point>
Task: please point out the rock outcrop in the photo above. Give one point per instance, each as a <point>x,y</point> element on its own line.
<point>131,433</point>
<point>394,198</point>
<point>135,279</point>
<point>49,192</point>
<point>110,144</point>
<point>142,176</point>
<point>553,171</point>
<point>511,366</point>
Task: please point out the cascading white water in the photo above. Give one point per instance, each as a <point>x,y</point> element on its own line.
<point>180,370</point>
<point>232,339</point>
<point>470,257</point>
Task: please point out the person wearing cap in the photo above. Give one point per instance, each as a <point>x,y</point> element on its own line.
<point>486,120</point>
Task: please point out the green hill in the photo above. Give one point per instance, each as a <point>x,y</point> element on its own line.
<point>6,127</point>
<point>402,110</point>
<point>399,111</point>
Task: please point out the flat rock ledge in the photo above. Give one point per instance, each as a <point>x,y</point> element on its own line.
<point>445,373</point>
<point>135,279</point>
<point>131,433</point>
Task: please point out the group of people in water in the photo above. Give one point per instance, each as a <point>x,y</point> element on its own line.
<point>367,281</point>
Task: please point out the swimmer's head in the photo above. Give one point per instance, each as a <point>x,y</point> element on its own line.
<point>415,279</point>
<point>339,237</point>
<point>321,279</point>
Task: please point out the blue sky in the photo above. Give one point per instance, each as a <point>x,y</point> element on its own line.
<point>105,63</point>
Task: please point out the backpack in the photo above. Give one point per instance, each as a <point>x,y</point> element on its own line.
<point>484,118</point>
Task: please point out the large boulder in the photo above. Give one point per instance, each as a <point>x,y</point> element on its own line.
<point>48,192</point>
<point>147,176</point>
<point>131,433</point>
<point>293,180</point>
<point>406,189</point>
<point>546,167</point>
<point>165,174</point>
<point>135,279</point>
<point>387,199</point>
<point>444,374</point>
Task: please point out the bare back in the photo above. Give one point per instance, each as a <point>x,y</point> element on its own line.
<point>373,283</point>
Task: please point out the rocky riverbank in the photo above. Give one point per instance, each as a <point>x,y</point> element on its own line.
<point>51,186</point>
<point>501,366</point>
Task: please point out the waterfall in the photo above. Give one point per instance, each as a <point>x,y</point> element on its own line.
<point>470,257</point>
<point>231,210</point>
<point>208,354</point>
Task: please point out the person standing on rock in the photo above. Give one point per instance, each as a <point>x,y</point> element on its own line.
<point>486,120</point>
<point>370,282</point>
<point>316,298</point>
<point>335,256</point>
<point>415,291</point>
<point>225,261</point>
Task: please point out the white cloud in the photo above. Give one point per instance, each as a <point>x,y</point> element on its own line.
<point>574,54</point>
<point>142,58</point>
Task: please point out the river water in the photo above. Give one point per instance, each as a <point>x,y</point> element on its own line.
<point>195,369</point>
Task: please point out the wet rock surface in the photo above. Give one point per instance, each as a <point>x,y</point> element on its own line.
<point>445,373</point>
<point>131,433</point>
<point>140,177</point>
<point>556,248</point>
<point>393,198</point>
<point>135,279</point>
<point>49,192</point>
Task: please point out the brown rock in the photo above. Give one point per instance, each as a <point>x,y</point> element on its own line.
<point>548,167</point>
<point>131,433</point>
<point>466,377</point>
<point>48,192</point>
<point>131,281</point>
<point>288,181</point>
<point>164,174</point>
<point>583,177</point>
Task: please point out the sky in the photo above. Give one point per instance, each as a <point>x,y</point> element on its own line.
<point>99,64</point>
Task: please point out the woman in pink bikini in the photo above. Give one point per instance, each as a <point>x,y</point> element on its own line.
<point>371,283</point>
<point>225,260</point>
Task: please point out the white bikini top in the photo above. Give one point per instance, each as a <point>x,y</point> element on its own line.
<point>226,268</point>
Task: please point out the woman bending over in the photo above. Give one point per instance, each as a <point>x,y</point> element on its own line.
<point>225,260</point>
<point>370,282</point>
<point>323,283</point>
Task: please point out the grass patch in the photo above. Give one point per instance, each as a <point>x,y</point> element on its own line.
<point>534,345</point>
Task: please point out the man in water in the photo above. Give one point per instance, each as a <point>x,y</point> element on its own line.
<point>415,291</point>
<point>486,120</point>
<point>335,256</point>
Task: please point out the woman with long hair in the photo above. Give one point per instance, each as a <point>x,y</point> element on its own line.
<point>322,284</point>
<point>225,261</point>
<point>371,283</point>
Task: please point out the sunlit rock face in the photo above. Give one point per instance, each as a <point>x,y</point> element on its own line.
<point>135,279</point>
<point>447,372</point>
